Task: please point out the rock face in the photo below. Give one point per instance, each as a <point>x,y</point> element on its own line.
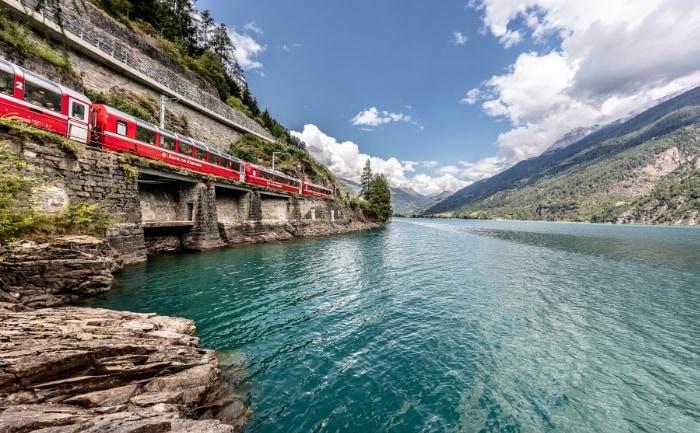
<point>45,275</point>
<point>92,370</point>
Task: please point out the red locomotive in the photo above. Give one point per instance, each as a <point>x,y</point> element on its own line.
<point>31,98</point>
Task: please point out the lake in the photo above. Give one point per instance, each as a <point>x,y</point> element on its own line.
<point>448,326</point>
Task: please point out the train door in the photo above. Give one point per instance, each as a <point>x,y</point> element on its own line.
<point>8,84</point>
<point>77,120</point>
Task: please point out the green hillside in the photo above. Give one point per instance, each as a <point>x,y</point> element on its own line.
<point>645,170</point>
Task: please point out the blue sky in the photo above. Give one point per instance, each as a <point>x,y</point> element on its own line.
<point>439,94</point>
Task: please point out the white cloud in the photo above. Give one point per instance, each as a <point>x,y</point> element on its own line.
<point>459,39</point>
<point>409,165</point>
<point>471,97</point>
<point>613,56</point>
<point>372,117</point>
<point>289,47</point>
<point>432,186</point>
<point>247,48</point>
<point>448,169</point>
<point>251,27</point>
<point>345,160</point>
<point>486,167</point>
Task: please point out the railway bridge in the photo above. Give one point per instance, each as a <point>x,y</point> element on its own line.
<point>156,208</point>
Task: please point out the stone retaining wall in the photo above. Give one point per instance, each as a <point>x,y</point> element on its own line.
<point>90,176</point>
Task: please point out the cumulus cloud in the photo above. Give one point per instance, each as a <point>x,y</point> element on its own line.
<point>610,57</point>
<point>482,169</point>
<point>372,117</point>
<point>247,48</point>
<point>345,160</point>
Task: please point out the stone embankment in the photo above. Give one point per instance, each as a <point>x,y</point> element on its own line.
<point>65,370</point>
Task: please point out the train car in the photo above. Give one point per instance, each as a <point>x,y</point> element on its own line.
<point>38,101</point>
<point>222,164</point>
<point>120,132</point>
<point>314,190</point>
<point>258,175</point>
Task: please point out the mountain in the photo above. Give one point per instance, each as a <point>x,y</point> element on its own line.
<point>643,170</point>
<point>406,201</point>
<point>572,137</point>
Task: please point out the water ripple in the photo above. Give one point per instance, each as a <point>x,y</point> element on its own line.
<point>450,326</point>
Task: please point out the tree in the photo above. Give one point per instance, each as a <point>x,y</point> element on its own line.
<point>375,191</point>
<point>379,199</point>
<point>220,43</point>
<point>209,67</point>
<point>207,23</point>
<point>365,179</point>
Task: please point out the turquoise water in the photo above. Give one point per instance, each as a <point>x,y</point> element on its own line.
<point>449,326</point>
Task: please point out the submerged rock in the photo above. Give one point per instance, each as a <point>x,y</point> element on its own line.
<point>93,370</point>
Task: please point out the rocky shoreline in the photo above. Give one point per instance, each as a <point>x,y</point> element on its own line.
<point>66,369</point>
<point>71,369</point>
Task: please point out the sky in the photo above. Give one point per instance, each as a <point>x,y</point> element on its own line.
<point>440,94</point>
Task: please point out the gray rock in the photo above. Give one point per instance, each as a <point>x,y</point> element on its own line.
<point>93,370</point>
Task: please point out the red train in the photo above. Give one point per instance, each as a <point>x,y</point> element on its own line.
<point>33,99</point>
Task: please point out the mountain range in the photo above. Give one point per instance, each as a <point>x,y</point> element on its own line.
<point>642,170</point>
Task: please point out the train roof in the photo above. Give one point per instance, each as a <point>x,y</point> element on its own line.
<point>318,186</point>
<point>275,172</point>
<point>114,111</point>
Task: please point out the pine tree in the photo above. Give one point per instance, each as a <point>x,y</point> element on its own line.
<point>365,179</point>
<point>220,43</point>
<point>375,191</point>
<point>207,24</point>
<point>379,200</point>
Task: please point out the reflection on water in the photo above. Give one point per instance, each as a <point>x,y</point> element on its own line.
<point>643,250</point>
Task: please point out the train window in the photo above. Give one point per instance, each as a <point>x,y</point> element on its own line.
<point>7,79</point>
<point>121,127</point>
<point>145,134</point>
<point>37,93</point>
<point>167,141</point>
<point>185,147</point>
<point>214,158</point>
<point>200,153</point>
<point>78,110</point>
<point>235,166</point>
